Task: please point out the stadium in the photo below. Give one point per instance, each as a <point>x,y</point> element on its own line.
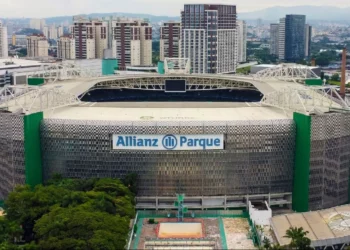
<point>222,140</point>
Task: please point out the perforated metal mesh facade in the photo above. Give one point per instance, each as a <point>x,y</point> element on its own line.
<point>11,152</point>
<point>258,156</point>
<point>329,160</point>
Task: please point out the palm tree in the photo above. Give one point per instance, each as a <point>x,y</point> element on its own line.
<point>266,243</point>
<point>298,238</point>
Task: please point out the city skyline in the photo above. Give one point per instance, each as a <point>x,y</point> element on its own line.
<point>50,8</point>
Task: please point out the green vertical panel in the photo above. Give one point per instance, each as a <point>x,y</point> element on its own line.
<point>108,66</point>
<point>35,81</point>
<point>32,149</point>
<point>161,68</point>
<point>302,162</point>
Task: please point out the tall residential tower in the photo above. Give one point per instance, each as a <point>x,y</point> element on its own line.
<point>3,41</point>
<point>91,38</point>
<point>242,40</point>
<point>37,46</point>
<point>132,42</point>
<point>170,40</point>
<point>208,37</point>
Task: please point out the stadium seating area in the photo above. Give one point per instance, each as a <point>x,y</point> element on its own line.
<point>127,95</point>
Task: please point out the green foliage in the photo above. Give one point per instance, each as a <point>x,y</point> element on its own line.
<point>135,228</point>
<point>151,221</point>
<point>266,243</point>
<point>264,56</point>
<point>131,181</point>
<point>298,238</point>
<point>69,214</point>
<point>335,77</point>
<point>325,58</point>
<point>65,228</point>
<point>245,70</point>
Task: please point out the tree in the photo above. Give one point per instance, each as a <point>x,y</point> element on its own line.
<point>68,214</point>
<point>81,228</point>
<point>131,181</point>
<point>266,243</point>
<point>298,238</point>
<point>335,77</point>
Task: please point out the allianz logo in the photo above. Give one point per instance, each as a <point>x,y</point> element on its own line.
<point>169,142</point>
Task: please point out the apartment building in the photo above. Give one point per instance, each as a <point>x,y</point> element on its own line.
<point>308,36</point>
<point>37,46</point>
<point>170,40</point>
<point>66,47</point>
<point>281,38</point>
<point>242,40</point>
<point>60,31</point>
<point>91,38</point>
<point>53,32</point>
<point>132,42</point>
<point>274,39</point>
<point>3,41</point>
<point>209,37</point>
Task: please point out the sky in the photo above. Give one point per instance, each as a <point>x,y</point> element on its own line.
<point>50,8</point>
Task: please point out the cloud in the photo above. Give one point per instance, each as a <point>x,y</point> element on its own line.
<point>49,8</point>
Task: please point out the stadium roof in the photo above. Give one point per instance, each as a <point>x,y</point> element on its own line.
<point>326,227</point>
<point>120,112</point>
<point>279,88</point>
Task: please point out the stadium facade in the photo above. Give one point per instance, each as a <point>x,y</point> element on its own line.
<point>294,143</point>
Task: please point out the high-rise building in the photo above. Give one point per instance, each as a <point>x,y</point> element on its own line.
<point>295,37</point>
<point>35,23</point>
<point>281,39</point>
<point>242,40</point>
<point>46,32</point>
<point>208,37</point>
<point>42,24</point>
<point>132,42</point>
<point>170,39</point>
<point>52,32</point>
<point>66,47</point>
<point>3,41</point>
<point>274,39</point>
<point>101,37</point>
<point>60,31</point>
<point>91,38</point>
<point>37,46</point>
<point>308,35</point>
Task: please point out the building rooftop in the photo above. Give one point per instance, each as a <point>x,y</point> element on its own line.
<point>326,227</point>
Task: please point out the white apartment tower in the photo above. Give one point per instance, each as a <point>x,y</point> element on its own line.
<point>170,40</point>
<point>52,32</point>
<point>35,23</point>
<point>132,42</point>
<point>91,38</point>
<point>3,41</point>
<point>209,37</point>
<point>37,46</point>
<point>281,38</point>
<point>242,40</point>
<point>66,47</point>
<point>59,31</point>
<point>46,32</point>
